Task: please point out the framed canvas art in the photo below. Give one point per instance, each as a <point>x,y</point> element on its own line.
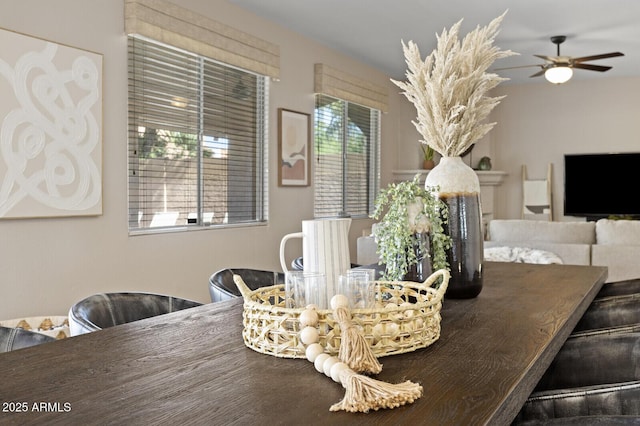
<point>294,152</point>
<point>50,129</point>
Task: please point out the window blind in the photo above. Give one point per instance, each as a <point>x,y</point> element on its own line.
<point>176,26</point>
<point>196,140</point>
<point>347,158</point>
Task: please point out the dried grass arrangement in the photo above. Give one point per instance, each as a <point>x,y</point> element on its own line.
<point>449,88</point>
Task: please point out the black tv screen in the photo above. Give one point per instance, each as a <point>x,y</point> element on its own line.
<point>601,185</point>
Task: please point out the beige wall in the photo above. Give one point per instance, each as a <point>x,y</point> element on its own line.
<point>48,264</point>
<point>538,123</point>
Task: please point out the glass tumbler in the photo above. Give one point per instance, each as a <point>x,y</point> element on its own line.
<point>359,288</point>
<point>305,288</point>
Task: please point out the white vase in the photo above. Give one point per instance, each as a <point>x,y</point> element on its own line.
<point>459,188</point>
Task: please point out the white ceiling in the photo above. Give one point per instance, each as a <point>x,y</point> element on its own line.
<point>371,30</point>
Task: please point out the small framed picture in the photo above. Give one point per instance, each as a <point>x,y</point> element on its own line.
<point>294,151</point>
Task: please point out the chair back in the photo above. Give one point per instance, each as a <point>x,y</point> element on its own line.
<point>222,287</point>
<point>17,338</point>
<point>105,310</point>
<point>594,379</point>
<point>611,312</point>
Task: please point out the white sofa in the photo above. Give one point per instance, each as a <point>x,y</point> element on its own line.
<point>611,243</point>
<point>571,241</point>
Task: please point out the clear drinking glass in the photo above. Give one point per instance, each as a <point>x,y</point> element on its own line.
<point>304,288</point>
<point>370,273</point>
<point>290,278</point>
<point>315,290</point>
<point>358,285</point>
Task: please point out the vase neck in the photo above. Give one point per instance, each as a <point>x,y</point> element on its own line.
<point>457,159</point>
<point>452,175</point>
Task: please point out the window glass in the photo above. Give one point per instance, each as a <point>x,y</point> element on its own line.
<point>347,140</point>
<point>196,140</point>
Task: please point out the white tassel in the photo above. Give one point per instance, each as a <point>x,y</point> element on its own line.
<point>364,393</point>
<point>354,349</point>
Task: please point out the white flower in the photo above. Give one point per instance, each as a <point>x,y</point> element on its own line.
<point>418,221</point>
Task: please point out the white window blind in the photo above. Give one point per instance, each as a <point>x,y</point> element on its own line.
<point>347,140</point>
<point>196,140</point>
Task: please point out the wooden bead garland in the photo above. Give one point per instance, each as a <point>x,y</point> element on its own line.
<point>362,393</point>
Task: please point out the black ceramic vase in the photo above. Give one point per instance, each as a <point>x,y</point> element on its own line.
<point>459,188</point>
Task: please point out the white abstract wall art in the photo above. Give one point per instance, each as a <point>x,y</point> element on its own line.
<point>50,129</point>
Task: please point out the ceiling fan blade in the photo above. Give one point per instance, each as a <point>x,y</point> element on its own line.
<point>538,74</point>
<point>596,57</point>
<point>591,67</point>
<point>521,66</point>
<point>547,58</point>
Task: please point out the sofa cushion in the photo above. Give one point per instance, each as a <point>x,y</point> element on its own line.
<point>621,260</point>
<point>618,232</point>
<point>548,232</point>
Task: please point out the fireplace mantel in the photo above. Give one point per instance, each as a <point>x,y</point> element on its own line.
<point>489,179</point>
<point>486,178</point>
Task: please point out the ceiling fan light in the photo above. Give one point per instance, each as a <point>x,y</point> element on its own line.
<point>558,75</point>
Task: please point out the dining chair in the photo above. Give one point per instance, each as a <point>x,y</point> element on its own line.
<point>16,338</point>
<point>619,288</point>
<point>594,378</point>
<point>610,313</point>
<point>297,264</point>
<point>105,310</point>
<point>222,287</point>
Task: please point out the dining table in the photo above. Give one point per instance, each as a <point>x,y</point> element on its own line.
<point>192,367</point>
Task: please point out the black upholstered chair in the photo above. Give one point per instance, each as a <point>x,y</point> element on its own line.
<point>619,288</point>
<point>297,264</point>
<point>595,378</point>
<point>17,338</point>
<point>222,287</point>
<point>586,421</point>
<point>611,312</point>
<point>105,310</point>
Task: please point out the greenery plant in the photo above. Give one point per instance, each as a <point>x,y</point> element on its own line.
<point>427,151</point>
<point>409,210</point>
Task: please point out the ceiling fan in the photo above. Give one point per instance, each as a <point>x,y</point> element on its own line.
<point>559,69</point>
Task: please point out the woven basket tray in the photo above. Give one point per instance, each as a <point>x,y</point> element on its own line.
<point>406,318</point>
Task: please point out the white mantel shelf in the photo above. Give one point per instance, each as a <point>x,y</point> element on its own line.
<point>486,178</point>
<point>488,181</point>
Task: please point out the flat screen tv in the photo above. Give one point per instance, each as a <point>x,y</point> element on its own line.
<point>602,185</point>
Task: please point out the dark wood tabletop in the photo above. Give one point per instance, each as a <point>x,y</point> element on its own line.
<point>192,368</point>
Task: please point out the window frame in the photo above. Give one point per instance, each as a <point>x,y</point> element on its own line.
<point>373,159</point>
<point>260,185</point>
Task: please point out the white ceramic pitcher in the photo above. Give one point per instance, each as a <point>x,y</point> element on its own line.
<point>325,249</point>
